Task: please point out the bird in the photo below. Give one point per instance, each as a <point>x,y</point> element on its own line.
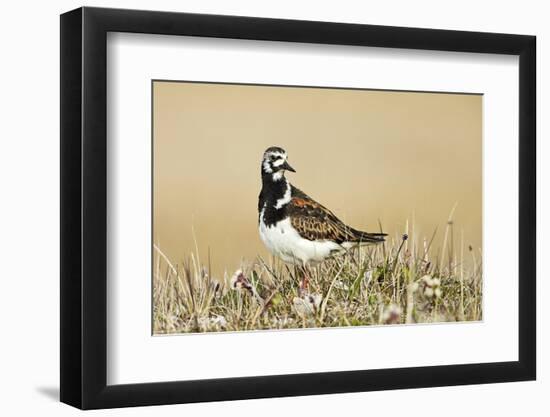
<point>296,228</point>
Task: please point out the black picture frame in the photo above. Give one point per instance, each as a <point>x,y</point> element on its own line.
<point>84,207</point>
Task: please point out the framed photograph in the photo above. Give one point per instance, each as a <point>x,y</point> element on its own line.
<point>256,208</point>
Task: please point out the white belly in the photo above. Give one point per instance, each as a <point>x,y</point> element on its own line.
<point>283,241</point>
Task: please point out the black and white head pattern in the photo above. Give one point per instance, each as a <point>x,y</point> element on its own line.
<point>275,162</point>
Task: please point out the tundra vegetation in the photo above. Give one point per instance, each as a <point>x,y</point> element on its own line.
<point>402,281</point>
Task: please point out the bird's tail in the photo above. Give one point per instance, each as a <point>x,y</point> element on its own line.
<point>366,237</point>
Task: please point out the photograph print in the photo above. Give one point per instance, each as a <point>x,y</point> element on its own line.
<point>291,207</point>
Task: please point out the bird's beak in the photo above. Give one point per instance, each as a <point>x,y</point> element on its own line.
<point>287,167</point>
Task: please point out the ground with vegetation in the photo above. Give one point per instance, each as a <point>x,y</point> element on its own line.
<point>402,281</point>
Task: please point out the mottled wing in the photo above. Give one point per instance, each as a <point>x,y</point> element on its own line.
<point>313,221</point>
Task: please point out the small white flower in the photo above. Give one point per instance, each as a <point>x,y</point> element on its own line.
<point>341,285</point>
<point>282,322</point>
<point>315,299</point>
<point>391,314</point>
<point>236,279</point>
<point>307,304</point>
<point>430,286</point>
<point>302,307</point>
<point>427,280</point>
<point>217,322</point>
<point>239,281</point>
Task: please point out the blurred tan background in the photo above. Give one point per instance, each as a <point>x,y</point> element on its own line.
<point>366,155</point>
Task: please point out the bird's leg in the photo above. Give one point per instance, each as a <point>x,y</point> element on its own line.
<point>304,283</point>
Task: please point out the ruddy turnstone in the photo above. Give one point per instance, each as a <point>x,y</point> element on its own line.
<point>296,228</point>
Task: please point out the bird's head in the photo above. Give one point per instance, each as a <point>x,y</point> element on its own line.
<point>274,163</point>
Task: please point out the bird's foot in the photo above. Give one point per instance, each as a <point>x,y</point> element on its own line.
<point>304,286</point>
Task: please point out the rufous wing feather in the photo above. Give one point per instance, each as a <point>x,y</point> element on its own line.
<point>313,221</point>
